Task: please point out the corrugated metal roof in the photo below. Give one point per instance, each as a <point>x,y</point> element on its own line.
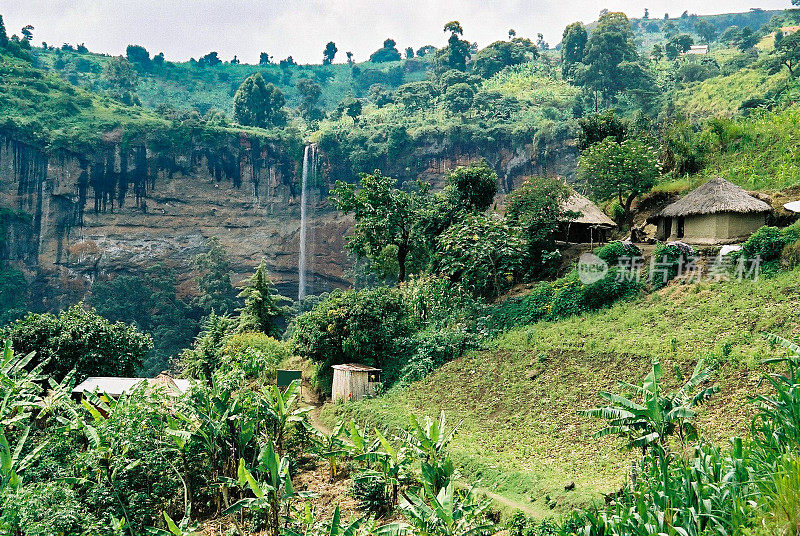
<point>356,367</point>
<point>114,386</point>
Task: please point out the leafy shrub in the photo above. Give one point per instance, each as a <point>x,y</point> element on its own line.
<point>45,509</point>
<point>256,354</point>
<point>564,297</point>
<point>432,349</point>
<point>364,326</point>
<point>766,243</point>
<point>484,254</point>
<point>80,339</point>
<point>668,260</point>
<point>436,302</point>
<point>369,491</point>
<point>613,251</point>
<point>205,355</point>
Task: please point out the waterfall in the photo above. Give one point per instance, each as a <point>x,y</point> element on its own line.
<point>309,166</point>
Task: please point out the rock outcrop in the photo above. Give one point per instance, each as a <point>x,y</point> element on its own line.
<point>70,219</point>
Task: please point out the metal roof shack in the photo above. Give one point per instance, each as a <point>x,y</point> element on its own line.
<point>354,381</point>
<point>116,387</point>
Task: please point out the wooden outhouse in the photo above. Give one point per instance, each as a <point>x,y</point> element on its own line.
<point>353,381</point>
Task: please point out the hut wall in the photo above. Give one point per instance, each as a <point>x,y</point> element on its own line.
<point>351,385</point>
<point>701,227</point>
<point>743,225</point>
<point>341,384</point>
<point>717,228</point>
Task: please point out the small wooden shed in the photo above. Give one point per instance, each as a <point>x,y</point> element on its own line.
<point>353,381</point>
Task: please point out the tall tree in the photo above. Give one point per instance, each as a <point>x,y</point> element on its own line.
<point>259,104</point>
<point>388,52</point>
<point>622,170</point>
<point>677,45</point>
<point>27,32</point>
<point>310,92</point>
<point>122,80</point>
<point>211,59</point>
<point>705,30</point>
<point>80,339</point>
<point>137,54</point>
<point>457,51</point>
<point>264,59</point>
<point>214,279</point>
<point>329,53</point>
<point>787,52</point>
<point>500,54</point>
<point>535,207</point>
<point>475,185</point>
<point>386,217</point>
<point>3,34</point>
<point>262,304</point>
<point>610,56</point>
<point>573,46</point>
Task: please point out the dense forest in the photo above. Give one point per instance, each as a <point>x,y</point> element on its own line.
<point>515,393</point>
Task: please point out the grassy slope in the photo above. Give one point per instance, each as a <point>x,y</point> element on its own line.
<point>522,437</point>
<point>184,85</point>
<point>44,108</point>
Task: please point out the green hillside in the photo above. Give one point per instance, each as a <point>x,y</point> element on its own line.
<point>517,402</point>
<point>195,85</point>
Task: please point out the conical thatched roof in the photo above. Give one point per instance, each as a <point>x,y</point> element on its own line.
<point>590,213</point>
<point>715,196</point>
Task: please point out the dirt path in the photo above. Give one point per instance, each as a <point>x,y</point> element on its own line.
<point>310,397</point>
<point>505,501</point>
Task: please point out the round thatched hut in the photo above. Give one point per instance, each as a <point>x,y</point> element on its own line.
<point>718,212</point>
<point>583,221</point>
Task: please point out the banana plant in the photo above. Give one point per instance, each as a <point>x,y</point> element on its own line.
<point>392,464</point>
<point>12,463</point>
<point>360,442</point>
<point>184,528</point>
<point>104,446</point>
<point>280,406</point>
<point>650,421</point>
<point>329,446</point>
<point>446,513</point>
<point>776,427</point>
<point>429,444</point>
<point>273,494</point>
<point>359,527</point>
<point>19,386</point>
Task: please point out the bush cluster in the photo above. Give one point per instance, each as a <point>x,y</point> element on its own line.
<point>564,297</point>
<point>668,261</point>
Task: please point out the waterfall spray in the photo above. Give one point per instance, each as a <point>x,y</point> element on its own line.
<point>309,161</point>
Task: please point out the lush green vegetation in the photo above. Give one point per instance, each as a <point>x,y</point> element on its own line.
<point>518,398</point>
<point>648,122</point>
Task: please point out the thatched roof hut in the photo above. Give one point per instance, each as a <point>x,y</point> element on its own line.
<point>590,225</point>
<point>717,212</point>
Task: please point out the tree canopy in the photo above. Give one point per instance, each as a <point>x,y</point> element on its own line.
<point>388,52</point>
<point>622,170</point>
<point>386,217</point>
<point>259,104</point>
<point>80,339</point>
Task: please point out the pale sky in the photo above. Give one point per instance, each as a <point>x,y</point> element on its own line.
<point>301,28</point>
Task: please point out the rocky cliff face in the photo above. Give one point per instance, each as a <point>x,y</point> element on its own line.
<point>76,218</point>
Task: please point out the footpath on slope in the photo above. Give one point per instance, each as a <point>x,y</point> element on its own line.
<point>311,398</point>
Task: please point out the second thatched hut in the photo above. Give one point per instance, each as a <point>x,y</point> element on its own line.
<point>718,212</point>
<point>583,221</point>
